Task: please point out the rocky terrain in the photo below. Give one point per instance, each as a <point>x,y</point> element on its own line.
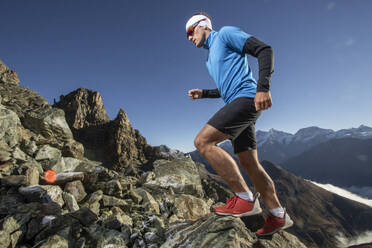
<point>112,189</point>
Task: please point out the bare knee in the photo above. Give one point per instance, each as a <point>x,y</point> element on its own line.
<point>201,144</point>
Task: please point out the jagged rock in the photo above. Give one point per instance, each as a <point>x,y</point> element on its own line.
<point>70,202</point>
<point>109,201</point>
<point>4,156</point>
<point>8,76</point>
<point>215,231</point>
<point>83,108</point>
<point>50,123</point>
<point>28,146</point>
<point>119,221</point>
<point>112,188</point>
<point>9,122</point>
<point>188,207</point>
<point>93,202</point>
<point>78,165</point>
<point>65,177</point>
<point>55,241</point>
<point>76,188</point>
<point>101,237</point>
<point>10,202</point>
<point>48,153</point>
<point>148,201</point>
<point>135,197</point>
<point>19,155</point>
<point>43,193</point>
<point>13,227</point>
<point>14,180</point>
<point>125,146</point>
<point>32,176</point>
<point>73,149</point>
<point>85,216</point>
<point>180,175</point>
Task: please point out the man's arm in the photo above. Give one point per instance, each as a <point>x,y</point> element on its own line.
<point>265,55</point>
<point>211,94</point>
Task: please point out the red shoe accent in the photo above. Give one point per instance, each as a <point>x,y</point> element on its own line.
<point>274,224</point>
<point>238,207</point>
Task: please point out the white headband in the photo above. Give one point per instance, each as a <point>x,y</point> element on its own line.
<point>196,18</point>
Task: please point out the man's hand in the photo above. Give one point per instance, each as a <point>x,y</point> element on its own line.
<point>262,100</point>
<point>195,94</point>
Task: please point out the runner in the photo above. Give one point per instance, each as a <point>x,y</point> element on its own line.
<point>245,99</point>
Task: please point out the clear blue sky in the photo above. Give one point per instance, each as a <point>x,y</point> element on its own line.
<point>135,53</point>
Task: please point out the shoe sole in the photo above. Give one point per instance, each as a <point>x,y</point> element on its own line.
<point>277,230</point>
<point>250,213</point>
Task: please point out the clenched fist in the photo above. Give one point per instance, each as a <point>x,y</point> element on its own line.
<point>195,94</point>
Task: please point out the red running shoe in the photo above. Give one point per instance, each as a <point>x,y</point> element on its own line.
<point>238,207</point>
<point>274,224</point>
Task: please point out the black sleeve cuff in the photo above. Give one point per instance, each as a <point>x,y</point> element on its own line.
<point>211,93</point>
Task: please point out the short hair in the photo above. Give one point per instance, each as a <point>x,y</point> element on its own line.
<point>202,13</point>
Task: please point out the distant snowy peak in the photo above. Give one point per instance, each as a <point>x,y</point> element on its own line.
<point>311,134</point>
<point>273,136</point>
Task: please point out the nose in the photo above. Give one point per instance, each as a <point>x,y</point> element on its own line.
<point>189,37</point>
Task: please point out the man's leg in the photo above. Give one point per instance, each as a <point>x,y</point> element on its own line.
<point>221,161</point>
<point>260,179</point>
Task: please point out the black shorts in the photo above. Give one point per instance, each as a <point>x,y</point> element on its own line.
<point>237,120</point>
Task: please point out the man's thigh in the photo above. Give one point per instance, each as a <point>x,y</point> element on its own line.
<point>210,134</point>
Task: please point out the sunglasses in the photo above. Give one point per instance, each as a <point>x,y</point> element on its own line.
<point>190,30</point>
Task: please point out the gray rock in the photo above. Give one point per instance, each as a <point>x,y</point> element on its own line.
<point>220,232</point>
<point>4,156</point>
<point>76,188</point>
<point>101,237</point>
<point>85,216</point>
<point>43,193</point>
<point>8,126</point>
<point>109,201</point>
<point>70,202</point>
<point>65,177</point>
<point>180,175</point>
<point>8,76</point>
<point>135,197</point>
<point>188,207</point>
<point>20,155</point>
<point>32,176</point>
<point>48,153</point>
<point>15,180</point>
<point>55,241</point>
<point>149,202</point>
<point>49,122</point>
<point>29,146</point>
<point>72,148</point>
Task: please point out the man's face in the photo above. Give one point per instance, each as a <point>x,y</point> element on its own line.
<point>198,36</point>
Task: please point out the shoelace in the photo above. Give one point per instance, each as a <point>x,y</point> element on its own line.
<point>231,202</point>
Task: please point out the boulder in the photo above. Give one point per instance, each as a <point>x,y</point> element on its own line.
<point>43,193</point>
<point>180,175</point>
<point>9,122</point>
<point>76,188</point>
<point>220,232</point>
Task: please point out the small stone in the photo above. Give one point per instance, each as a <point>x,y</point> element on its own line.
<point>32,176</point>
<point>20,155</point>
<point>4,156</point>
<point>76,188</point>
<point>109,201</point>
<point>70,202</point>
<point>15,180</point>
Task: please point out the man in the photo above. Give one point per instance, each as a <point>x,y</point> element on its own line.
<point>245,99</point>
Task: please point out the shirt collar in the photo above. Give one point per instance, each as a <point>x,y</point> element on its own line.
<point>208,42</point>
